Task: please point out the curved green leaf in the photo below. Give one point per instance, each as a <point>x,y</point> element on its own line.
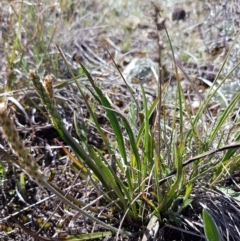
<point>210,228</point>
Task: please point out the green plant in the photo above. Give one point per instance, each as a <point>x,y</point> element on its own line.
<point>141,176</point>
<point>21,186</point>
<point>135,178</point>
<point>210,227</point>
<point>2,174</point>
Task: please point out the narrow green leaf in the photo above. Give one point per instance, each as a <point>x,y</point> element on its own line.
<point>88,236</point>
<point>22,186</point>
<point>131,136</point>
<point>214,90</point>
<point>150,112</point>
<point>112,118</point>
<point>173,190</point>
<point>210,228</point>
<point>225,115</point>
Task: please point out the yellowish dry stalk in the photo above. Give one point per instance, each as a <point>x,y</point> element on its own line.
<point>25,160</point>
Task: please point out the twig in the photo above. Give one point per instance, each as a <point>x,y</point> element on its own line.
<point>208,153</point>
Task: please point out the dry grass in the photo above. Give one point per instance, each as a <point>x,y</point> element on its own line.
<point>89,31</point>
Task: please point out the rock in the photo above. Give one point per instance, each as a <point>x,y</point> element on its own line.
<point>178,14</point>
<point>141,70</point>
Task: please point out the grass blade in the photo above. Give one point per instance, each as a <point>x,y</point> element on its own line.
<point>210,227</point>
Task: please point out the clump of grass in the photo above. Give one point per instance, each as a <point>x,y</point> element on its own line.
<point>136,182</point>
<point>150,171</point>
